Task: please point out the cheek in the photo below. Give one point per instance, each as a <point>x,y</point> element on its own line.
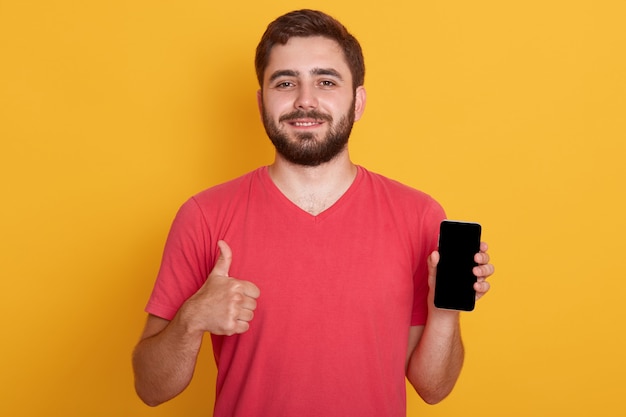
<point>275,106</point>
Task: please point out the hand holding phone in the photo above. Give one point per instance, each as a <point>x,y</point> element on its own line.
<point>458,243</point>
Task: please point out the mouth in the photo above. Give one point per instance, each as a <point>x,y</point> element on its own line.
<point>303,123</point>
<point>305,120</point>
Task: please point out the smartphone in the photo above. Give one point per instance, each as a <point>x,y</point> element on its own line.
<point>458,243</point>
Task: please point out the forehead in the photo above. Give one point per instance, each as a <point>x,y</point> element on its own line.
<point>303,54</point>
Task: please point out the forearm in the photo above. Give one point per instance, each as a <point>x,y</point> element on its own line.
<point>435,363</point>
<point>164,363</point>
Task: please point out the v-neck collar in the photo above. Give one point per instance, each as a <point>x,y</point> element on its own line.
<point>341,201</point>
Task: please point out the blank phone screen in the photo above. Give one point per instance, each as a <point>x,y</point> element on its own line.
<point>458,243</point>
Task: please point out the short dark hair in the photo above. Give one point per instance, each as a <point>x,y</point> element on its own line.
<point>306,23</point>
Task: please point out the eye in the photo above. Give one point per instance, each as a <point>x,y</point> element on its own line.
<point>327,83</point>
<point>285,84</point>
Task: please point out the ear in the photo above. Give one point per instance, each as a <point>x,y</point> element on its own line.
<point>259,100</point>
<point>359,102</point>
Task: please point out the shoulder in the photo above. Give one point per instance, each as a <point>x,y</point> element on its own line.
<point>231,187</point>
<point>221,198</point>
<point>401,195</point>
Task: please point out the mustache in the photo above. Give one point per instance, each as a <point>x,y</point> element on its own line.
<point>301,114</point>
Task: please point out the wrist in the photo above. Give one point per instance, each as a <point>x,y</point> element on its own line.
<point>442,318</point>
<point>186,324</point>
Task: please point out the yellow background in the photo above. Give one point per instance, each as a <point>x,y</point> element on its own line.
<point>512,114</point>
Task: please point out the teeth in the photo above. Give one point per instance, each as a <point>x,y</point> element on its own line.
<point>304,124</point>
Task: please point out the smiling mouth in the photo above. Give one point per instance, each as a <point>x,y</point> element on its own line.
<point>305,124</point>
<point>305,119</point>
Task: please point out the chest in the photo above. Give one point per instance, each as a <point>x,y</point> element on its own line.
<point>348,265</point>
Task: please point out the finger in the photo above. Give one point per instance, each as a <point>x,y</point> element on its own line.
<point>433,260</point>
<point>222,265</point>
<point>246,315</point>
<point>234,327</point>
<point>242,326</point>
<point>484,271</point>
<point>482,258</point>
<point>481,287</point>
<point>248,303</point>
<point>250,290</point>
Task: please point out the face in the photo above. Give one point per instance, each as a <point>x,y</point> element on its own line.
<point>307,103</point>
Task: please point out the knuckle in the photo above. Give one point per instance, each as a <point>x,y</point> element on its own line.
<point>228,328</point>
<point>243,327</point>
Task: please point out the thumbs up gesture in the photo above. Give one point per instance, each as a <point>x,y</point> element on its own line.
<point>223,305</point>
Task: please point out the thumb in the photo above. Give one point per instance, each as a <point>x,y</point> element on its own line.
<point>433,260</point>
<point>224,260</point>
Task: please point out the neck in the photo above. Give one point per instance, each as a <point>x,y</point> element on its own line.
<point>313,189</point>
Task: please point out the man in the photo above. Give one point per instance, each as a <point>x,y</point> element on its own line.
<point>314,276</point>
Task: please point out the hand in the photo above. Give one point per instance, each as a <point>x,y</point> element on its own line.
<point>482,271</point>
<point>223,305</point>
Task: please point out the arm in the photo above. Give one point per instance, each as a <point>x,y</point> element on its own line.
<point>435,352</point>
<point>436,357</point>
<point>165,358</point>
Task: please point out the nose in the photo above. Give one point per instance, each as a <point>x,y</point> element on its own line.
<point>306,97</point>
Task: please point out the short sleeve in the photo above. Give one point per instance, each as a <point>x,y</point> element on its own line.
<point>185,264</point>
<point>428,237</point>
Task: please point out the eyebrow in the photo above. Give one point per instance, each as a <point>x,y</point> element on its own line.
<point>327,71</point>
<point>315,71</point>
<point>283,73</point>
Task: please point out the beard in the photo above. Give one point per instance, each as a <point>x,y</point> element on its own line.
<point>306,149</point>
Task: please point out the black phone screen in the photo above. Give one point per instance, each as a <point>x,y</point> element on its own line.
<point>458,243</point>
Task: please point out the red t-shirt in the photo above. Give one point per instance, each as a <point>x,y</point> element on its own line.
<point>339,292</point>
